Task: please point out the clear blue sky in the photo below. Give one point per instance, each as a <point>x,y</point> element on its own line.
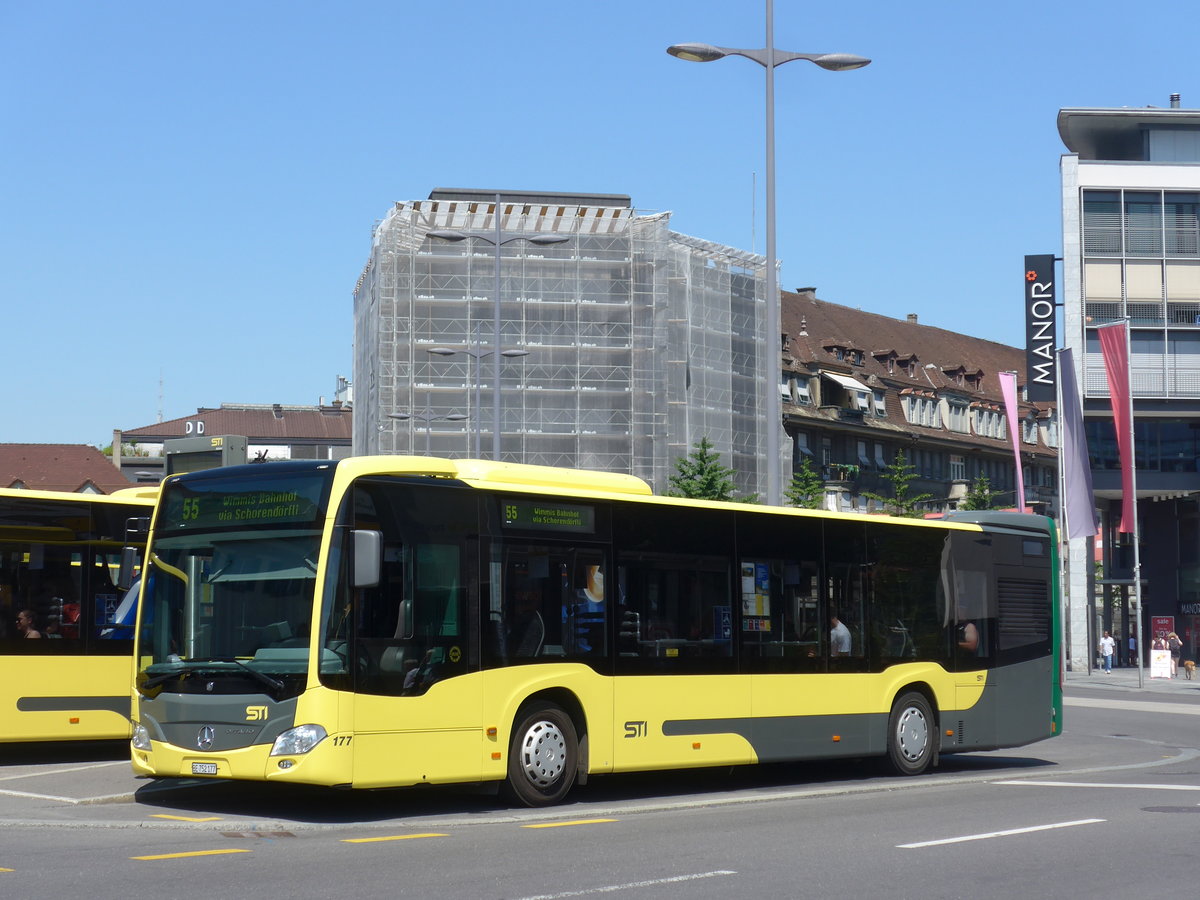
<point>187,191</point>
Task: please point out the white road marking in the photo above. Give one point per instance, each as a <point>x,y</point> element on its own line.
<point>631,886</point>
<point>996,834</point>
<point>1183,709</point>
<point>48,772</point>
<point>1089,784</point>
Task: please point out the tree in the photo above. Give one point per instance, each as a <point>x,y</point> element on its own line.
<point>700,476</point>
<point>980,495</point>
<point>899,474</point>
<point>807,490</point>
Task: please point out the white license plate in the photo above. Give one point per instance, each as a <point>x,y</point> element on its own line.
<point>204,768</point>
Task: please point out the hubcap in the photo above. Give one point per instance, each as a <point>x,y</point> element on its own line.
<point>912,734</point>
<point>543,754</point>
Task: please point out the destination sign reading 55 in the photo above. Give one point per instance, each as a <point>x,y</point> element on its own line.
<point>538,515</point>
<point>289,504</point>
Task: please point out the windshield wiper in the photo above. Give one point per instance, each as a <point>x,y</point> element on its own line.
<point>194,666</point>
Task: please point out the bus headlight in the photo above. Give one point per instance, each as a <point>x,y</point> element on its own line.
<point>141,737</point>
<point>298,740</point>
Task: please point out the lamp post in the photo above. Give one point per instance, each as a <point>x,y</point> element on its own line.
<point>426,415</point>
<point>769,58</point>
<point>497,239</point>
<point>477,353</point>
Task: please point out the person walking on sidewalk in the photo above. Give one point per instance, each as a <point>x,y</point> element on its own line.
<point>1107,646</point>
<point>1175,645</point>
<point>1133,657</point>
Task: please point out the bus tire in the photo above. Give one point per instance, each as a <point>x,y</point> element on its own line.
<point>542,757</point>
<point>912,734</point>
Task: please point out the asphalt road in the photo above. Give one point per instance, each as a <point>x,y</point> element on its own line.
<point>1109,806</point>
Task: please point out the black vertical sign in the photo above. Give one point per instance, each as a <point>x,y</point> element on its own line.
<point>1040,374</point>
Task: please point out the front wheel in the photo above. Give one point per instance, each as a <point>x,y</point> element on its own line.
<point>542,757</point>
<point>912,734</point>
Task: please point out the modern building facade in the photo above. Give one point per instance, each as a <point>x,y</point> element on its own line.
<point>621,346</point>
<point>1131,250</point>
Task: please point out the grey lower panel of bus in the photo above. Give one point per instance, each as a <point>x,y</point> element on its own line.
<point>233,721</point>
<point>1016,709</point>
<point>779,738</point>
<point>1005,716</point>
<point>118,705</point>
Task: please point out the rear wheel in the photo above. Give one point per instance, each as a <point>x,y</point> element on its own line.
<point>542,757</point>
<point>912,734</point>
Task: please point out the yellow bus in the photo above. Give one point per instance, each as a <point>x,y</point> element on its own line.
<point>66,630</point>
<point>390,621</point>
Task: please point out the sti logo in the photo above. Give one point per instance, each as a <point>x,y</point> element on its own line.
<point>256,714</point>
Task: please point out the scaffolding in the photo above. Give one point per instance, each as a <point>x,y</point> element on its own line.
<point>640,341</point>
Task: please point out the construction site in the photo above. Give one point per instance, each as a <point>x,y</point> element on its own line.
<point>621,343</point>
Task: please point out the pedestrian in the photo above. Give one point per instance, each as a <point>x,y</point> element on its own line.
<point>1133,657</point>
<point>1175,645</point>
<point>1107,646</point>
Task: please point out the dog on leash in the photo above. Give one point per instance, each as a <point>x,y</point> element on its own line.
<point>1189,669</point>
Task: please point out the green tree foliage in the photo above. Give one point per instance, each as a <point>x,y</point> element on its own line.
<point>899,474</point>
<point>980,495</point>
<point>807,490</point>
<point>700,476</point>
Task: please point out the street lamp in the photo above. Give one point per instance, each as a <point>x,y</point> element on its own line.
<point>498,239</point>
<point>477,353</point>
<point>769,58</point>
<point>427,415</point>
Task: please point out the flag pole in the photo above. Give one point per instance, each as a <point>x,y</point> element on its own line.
<point>1064,556</point>
<point>1137,553</point>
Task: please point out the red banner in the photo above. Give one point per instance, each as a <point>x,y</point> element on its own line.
<point>1114,345</point>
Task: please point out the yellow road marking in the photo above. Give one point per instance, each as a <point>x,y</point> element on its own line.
<point>8,870</point>
<point>191,853</point>
<point>186,818</point>
<point>569,824</point>
<point>395,837</point>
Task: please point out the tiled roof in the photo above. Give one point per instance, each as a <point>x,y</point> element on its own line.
<point>937,350</point>
<point>58,467</point>
<point>816,327</point>
<point>265,423</point>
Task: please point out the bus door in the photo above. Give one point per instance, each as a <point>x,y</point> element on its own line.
<point>416,705</point>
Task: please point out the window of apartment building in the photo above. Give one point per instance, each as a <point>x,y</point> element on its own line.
<point>879,458</point>
<point>958,468</point>
<point>803,392</point>
<point>864,454</point>
<point>1143,223</point>
<point>1102,223</point>
<point>785,389</point>
<point>989,423</point>
<point>801,449</point>
<point>880,403</point>
<point>861,400</point>
<point>958,415</point>
<point>1029,430</point>
<point>920,411</point>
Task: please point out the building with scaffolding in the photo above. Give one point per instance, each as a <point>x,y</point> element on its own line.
<point>622,346</point>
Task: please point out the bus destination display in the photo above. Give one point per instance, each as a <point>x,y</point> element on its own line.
<point>540,515</point>
<point>218,509</point>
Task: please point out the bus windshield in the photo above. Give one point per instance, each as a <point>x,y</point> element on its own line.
<point>230,581</point>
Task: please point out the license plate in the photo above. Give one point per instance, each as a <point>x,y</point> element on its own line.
<point>204,768</point>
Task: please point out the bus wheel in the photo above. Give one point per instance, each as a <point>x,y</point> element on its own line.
<point>542,757</point>
<point>912,734</point>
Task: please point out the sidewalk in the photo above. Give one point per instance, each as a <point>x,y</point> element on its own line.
<point>1126,679</point>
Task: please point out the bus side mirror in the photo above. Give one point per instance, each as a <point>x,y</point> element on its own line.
<point>129,563</point>
<point>368,557</point>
